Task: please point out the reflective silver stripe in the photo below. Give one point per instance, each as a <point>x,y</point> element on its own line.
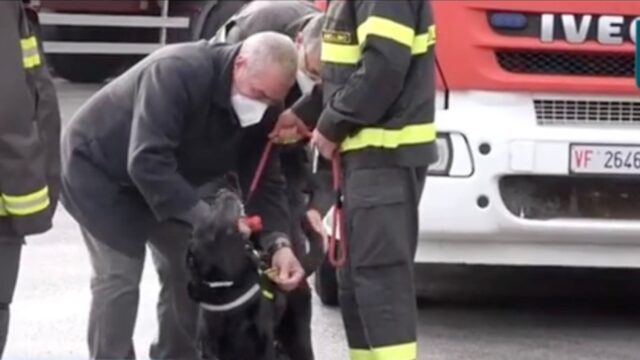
<point>218,284</point>
<point>243,299</point>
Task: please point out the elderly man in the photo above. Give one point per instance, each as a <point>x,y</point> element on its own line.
<point>132,157</point>
<point>301,21</point>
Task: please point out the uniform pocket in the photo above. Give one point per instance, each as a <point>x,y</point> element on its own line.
<point>378,218</point>
<point>365,188</point>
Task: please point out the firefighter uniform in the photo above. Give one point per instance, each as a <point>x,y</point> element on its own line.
<point>29,138</point>
<point>379,91</point>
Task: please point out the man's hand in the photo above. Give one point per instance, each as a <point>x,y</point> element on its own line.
<point>289,270</point>
<point>288,129</point>
<point>315,220</point>
<point>324,145</point>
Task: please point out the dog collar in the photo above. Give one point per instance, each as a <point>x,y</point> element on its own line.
<point>241,300</point>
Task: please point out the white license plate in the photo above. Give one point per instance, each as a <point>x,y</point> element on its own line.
<point>604,159</point>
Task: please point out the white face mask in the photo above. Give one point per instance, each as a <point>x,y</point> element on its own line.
<point>248,110</point>
<point>305,83</point>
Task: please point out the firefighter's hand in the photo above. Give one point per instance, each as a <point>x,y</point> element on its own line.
<point>315,220</point>
<point>288,268</point>
<point>288,129</point>
<point>325,146</point>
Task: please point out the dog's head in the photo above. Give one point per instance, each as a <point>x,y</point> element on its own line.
<point>221,253</point>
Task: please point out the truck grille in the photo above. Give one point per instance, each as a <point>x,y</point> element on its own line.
<point>580,64</point>
<point>574,112</point>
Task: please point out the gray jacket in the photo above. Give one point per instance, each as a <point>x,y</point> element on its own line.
<point>134,154</point>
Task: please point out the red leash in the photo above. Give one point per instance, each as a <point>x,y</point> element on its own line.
<point>337,225</point>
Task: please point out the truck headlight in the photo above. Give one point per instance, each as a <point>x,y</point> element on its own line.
<point>443,165</point>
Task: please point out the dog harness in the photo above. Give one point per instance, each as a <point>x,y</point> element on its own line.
<point>203,291</point>
<point>241,300</point>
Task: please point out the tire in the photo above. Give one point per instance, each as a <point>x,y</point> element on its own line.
<point>326,284</point>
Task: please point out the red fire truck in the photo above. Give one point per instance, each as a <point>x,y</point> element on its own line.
<point>539,137</point>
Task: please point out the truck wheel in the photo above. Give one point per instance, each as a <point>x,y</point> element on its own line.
<point>326,284</point>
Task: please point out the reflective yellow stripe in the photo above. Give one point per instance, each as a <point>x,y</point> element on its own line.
<point>28,43</point>
<point>31,61</point>
<point>422,42</point>
<point>267,294</point>
<point>350,54</point>
<point>390,139</point>
<point>30,54</point>
<point>394,352</point>
<point>3,210</point>
<point>386,28</point>
<point>341,54</point>
<point>27,204</point>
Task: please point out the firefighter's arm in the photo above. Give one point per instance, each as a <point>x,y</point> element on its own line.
<point>22,179</point>
<point>309,107</point>
<point>162,101</point>
<point>386,36</point>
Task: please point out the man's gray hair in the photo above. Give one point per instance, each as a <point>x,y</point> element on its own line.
<point>270,48</point>
<point>311,34</point>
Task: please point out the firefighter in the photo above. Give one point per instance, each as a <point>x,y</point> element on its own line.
<point>133,156</point>
<point>29,138</point>
<point>378,96</point>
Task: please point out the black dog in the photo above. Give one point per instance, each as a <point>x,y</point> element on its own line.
<point>243,315</point>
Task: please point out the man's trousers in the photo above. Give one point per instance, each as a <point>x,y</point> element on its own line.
<point>377,294</point>
<point>115,296</point>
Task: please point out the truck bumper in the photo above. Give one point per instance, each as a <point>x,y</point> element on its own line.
<point>463,215</point>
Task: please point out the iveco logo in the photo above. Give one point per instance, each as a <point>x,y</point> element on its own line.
<point>577,29</point>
